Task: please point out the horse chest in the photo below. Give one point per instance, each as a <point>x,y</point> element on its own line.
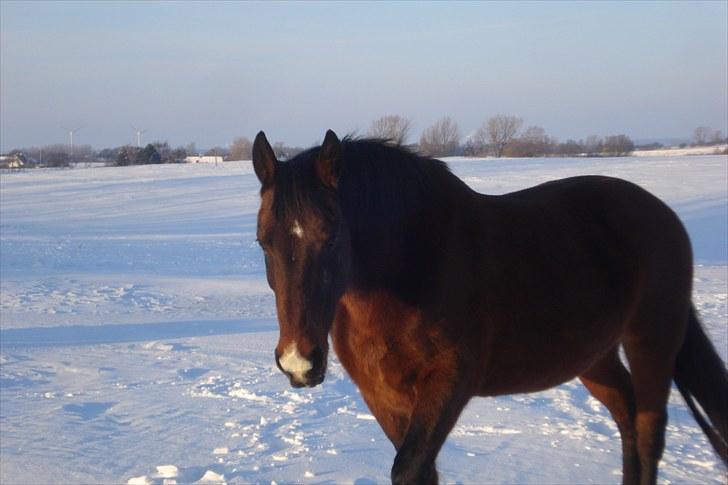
<point>380,342</point>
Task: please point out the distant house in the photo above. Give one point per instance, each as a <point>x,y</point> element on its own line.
<point>11,161</point>
<point>203,159</point>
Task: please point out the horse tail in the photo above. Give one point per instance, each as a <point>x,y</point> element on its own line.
<point>701,376</point>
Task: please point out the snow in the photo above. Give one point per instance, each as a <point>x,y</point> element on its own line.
<point>167,471</point>
<point>676,151</point>
<point>137,335</point>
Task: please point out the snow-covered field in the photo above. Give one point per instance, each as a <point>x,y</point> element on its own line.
<point>137,340</point>
<point>678,152</point>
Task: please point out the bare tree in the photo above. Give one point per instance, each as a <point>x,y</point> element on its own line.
<point>593,145</point>
<point>241,149</point>
<point>500,130</point>
<point>217,151</point>
<point>440,139</point>
<point>285,152</point>
<point>570,148</point>
<point>533,142</point>
<point>700,135</point>
<point>618,145</point>
<point>279,148</point>
<point>534,134</point>
<point>56,155</point>
<point>177,155</point>
<point>391,127</point>
<point>717,137</point>
<point>477,143</point>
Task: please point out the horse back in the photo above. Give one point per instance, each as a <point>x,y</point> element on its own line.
<point>554,273</point>
<point>557,272</point>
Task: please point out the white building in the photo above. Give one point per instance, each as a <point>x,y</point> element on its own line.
<point>11,161</point>
<point>203,159</point>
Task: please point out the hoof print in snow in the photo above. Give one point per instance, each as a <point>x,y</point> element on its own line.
<point>88,410</point>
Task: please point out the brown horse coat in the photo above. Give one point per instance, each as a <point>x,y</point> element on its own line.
<point>433,294</point>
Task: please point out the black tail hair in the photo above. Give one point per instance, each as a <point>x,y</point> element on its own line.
<point>701,376</point>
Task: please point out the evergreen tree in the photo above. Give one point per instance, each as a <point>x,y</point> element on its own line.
<point>148,154</point>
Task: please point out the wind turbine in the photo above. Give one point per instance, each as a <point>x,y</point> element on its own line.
<point>71,131</point>
<point>139,133</point>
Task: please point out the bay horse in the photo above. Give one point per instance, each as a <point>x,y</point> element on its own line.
<point>433,293</point>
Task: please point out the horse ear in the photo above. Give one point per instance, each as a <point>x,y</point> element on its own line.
<point>264,160</point>
<point>329,160</point>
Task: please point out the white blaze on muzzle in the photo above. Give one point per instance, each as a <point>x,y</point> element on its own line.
<point>294,363</point>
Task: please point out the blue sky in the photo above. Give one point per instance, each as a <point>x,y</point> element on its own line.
<point>208,72</point>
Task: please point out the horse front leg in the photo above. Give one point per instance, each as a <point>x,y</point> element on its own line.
<point>436,411</point>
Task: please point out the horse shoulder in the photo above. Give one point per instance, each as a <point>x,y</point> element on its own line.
<point>389,350</point>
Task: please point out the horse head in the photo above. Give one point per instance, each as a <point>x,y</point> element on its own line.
<point>305,244</point>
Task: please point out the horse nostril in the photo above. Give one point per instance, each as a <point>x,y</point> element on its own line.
<point>317,358</point>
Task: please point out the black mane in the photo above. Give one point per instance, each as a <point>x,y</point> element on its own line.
<point>388,196</point>
<point>377,177</point>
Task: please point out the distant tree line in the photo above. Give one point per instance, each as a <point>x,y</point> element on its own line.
<point>60,155</point>
<point>500,135</point>
<point>56,155</point>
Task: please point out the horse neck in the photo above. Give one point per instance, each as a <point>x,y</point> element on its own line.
<point>396,232</point>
